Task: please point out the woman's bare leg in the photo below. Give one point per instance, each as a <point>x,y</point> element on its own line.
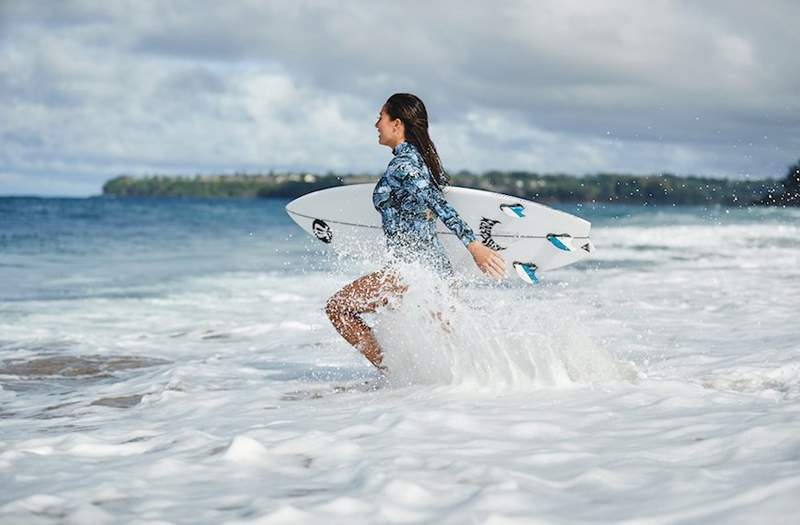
<point>365,294</point>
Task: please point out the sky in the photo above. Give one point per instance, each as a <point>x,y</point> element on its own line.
<point>90,90</point>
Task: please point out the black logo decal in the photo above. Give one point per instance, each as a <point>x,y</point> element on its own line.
<point>486,234</point>
<point>586,247</point>
<point>322,231</point>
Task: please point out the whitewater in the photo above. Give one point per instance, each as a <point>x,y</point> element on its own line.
<point>169,361</point>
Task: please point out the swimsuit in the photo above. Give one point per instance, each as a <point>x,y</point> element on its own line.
<point>403,197</point>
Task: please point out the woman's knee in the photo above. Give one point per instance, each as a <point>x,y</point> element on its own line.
<point>333,308</point>
<point>338,306</point>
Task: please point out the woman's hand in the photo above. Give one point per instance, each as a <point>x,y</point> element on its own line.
<point>489,261</point>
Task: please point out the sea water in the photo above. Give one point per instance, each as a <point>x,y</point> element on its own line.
<point>169,361</point>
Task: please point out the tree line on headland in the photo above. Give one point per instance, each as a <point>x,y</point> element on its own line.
<point>599,188</point>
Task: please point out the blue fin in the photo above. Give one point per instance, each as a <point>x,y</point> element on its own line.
<point>561,241</point>
<point>526,272</point>
<point>513,210</point>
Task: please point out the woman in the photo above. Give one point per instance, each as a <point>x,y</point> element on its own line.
<point>407,196</point>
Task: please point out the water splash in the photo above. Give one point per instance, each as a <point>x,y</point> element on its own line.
<point>488,337</point>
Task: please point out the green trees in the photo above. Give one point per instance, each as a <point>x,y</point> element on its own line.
<point>791,190</point>
<point>791,184</point>
<point>600,188</point>
<point>218,186</point>
<point>615,188</point>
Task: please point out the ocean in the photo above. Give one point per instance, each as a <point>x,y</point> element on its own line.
<point>169,361</point>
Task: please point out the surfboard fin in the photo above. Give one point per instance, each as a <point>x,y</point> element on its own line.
<point>562,241</point>
<point>526,272</point>
<point>515,210</point>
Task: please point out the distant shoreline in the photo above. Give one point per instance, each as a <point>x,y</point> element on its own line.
<point>600,188</point>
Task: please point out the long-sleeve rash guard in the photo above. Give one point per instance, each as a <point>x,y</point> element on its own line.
<point>403,196</point>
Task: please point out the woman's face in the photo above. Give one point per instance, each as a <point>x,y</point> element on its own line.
<point>390,132</point>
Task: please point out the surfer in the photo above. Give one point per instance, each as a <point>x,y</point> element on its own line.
<point>409,198</point>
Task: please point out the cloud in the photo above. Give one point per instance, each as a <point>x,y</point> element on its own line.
<point>89,90</point>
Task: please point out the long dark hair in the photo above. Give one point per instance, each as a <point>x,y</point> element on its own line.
<point>411,111</point>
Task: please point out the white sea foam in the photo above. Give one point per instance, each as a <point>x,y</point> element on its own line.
<point>488,338</point>
<point>657,383</point>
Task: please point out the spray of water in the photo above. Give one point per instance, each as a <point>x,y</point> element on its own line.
<point>488,338</point>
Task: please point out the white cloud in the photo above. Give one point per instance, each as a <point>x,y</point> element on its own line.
<point>88,90</point>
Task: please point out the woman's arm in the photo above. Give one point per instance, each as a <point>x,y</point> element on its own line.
<point>406,180</point>
<point>449,216</point>
<point>409,185</point>
<point>488,260</point>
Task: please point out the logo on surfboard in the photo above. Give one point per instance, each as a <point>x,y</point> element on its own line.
<point>322,231</point>
<point>485,231</point>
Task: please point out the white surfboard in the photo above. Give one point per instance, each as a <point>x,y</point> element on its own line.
<point>531,237</point>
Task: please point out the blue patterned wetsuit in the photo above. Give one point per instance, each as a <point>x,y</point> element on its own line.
<point>403,196</point>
